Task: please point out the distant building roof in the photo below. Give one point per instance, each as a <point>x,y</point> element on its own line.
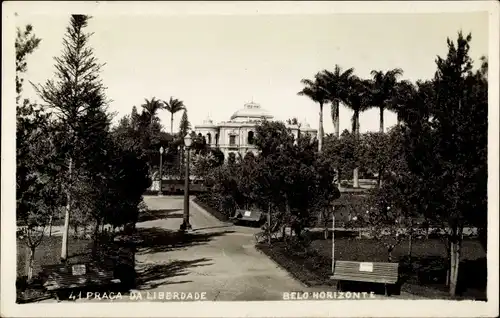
<point>251,111</point>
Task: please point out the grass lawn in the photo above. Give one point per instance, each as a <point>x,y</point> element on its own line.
<point>424,277</point>
<point>47,253</point>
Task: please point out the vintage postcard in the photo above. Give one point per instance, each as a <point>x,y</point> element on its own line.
<point>256,159</point>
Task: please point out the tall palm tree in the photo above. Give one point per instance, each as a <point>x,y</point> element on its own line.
<point>152,107</point>
<point>357,99</point>
<point>315,90</point>
<point>173,106</point>
<point>384,89</point>
<point>336,83</point>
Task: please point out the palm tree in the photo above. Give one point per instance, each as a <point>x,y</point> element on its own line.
<point>316,91</point>
<point>336,82</point>
<point>173,106</point>
<point>384,89</point>
<point>357,99</point>
<point>152,107</point>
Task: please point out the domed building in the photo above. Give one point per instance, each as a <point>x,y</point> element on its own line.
<point>238,134</point>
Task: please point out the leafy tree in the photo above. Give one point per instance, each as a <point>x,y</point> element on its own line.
<point>315,90</point>
<point>375,153</point>
<point>173,106</point>
<point>76,97</point>
<point>292,121</point>
<point>447,147</point>
<point>26,43</point>
<point>37,190</point>
<point>384,90</point>
<point>404,92</point>
<point>184,125</point>
<point>337,83</point>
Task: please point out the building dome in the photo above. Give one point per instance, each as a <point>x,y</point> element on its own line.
<point>252,111</point>
<point>306,127</point>
<point>207,123</point>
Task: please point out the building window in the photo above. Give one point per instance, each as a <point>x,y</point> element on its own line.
<point>209,138</point>
<point>232,140</point>
<point>216,139</point>
<point>250,138</point>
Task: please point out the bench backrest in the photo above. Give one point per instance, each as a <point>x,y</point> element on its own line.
<point>60,276</point>
<point>375,272</point>
<point>249,215</point>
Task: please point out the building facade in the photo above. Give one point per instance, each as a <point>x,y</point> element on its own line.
<point>238,134</point>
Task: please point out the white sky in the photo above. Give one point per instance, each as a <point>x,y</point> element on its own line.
<point>215,64</point>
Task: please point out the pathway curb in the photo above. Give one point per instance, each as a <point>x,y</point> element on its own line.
<point>206,213</point>
<point>282,268</point>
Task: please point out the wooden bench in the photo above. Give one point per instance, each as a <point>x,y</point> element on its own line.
<point>382,273</point>
<point>61,278</point>
<point>248,216</point>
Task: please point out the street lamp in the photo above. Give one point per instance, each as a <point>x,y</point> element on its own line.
<point>161,170</point>
<point>185,222</point>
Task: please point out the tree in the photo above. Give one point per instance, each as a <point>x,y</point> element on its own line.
<point>375,153</point>
<point>315,90</point>
<point>336,86</point>
<point>74,95</point>
<point>26,43</point>
<point>184,125</point>
<point>173,106</point>
<point>37,192</point>
<point>447,151</point>
<point>404,92</point>
<point>357,100</point>
<point>384,90</point>
<point>151,107</point>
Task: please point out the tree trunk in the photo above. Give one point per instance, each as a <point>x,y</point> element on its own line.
<point>96,236</point>
<point>355,130</point>
<point>337,120</point>
<point>31,261</point>
<point>390,248</point>
<point>381,129</point>
<point>64,247</point>
<point>320,128</point>
<point>379,179</point>
<point>171,123</point>
<point>410,245</point>
<point>455,261</point>
<point>50,226</point>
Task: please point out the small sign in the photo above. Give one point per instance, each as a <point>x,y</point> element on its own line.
<point>77,270</point>
<point>248,213</point>
<point>366,267</point>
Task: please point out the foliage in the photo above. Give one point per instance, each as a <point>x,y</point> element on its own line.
<point>337,87</point>
<point>184,125</point>
<point>315,90</point>
<point>288,174</point>
<point>173,106</point>
<point>384,90</point>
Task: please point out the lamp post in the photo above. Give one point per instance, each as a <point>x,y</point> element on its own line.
<point>185,222</point>
<point>161,170</point>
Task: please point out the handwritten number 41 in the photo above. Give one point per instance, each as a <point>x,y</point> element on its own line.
<point>74,297</point>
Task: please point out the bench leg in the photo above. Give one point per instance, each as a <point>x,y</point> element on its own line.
<point>385,290</point>
<point>339,286</point>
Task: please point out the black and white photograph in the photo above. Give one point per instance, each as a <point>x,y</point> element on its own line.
<point>285,159</point>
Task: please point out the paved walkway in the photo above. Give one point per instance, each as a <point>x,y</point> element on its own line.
<point>216,258</point>
<point>221,260</point>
